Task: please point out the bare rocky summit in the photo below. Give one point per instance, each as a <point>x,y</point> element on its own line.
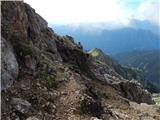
<point>49,77</point>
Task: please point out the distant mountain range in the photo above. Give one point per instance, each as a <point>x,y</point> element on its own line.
<point>147,61</point>
<point>115,41</point>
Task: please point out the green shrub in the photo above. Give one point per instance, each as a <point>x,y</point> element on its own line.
<point>100,62</point>
<point>23,48</point>
<point>51,82</point>
<point>51,99</point>
<point>101,94</point>
<point>156,98</point>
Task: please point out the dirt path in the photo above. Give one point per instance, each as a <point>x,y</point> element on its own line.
<point>70,94</point>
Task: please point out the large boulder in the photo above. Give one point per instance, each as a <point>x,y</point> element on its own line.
<point>91,106</point>
<point>9,65</point>
<point>132,90</point>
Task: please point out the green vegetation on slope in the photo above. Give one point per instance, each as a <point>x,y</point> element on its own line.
<point>24,48</point>
<point>94,52</point>
<point>156,98</point>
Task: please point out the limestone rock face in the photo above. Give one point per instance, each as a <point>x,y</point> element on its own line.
<point>9,65</point>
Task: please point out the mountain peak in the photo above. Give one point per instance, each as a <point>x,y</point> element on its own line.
<point>95,52</point>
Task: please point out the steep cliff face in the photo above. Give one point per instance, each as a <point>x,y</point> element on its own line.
<point>47,76</point>
<point>17,28</point>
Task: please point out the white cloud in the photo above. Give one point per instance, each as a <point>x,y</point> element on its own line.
<point>95,11</point>
<point>148,10</point>
<point>78,11</point>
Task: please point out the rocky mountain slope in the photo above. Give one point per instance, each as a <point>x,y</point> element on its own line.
<point>49,77</point>
<point>126,72</point>
<point>129,72</point>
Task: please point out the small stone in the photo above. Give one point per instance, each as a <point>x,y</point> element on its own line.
<point>94,118</point>
<point>20,105</point>
<point>15,117</point>
<point>64,93</point>
<point>33,118</point>
<point>77,92</point>
<point>38,84</point>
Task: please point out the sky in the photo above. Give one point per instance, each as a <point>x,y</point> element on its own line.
<point>120,12</point>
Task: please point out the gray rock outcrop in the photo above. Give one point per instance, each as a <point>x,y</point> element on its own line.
<point>20,105</point>
<point>134,91</point>
<point>9,65</point>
